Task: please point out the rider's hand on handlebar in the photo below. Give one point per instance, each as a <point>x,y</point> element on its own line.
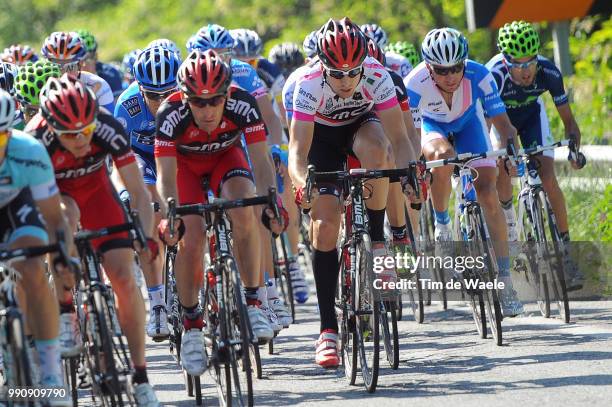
<point>163,230</point>
<point>300,198</point>
<point>271,222</point>
<point>511,168</point>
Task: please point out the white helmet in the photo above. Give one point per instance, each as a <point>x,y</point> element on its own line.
<point>166,43</point>
<point>375,32</point>
<point>444,47</point>
<point>7,110</point>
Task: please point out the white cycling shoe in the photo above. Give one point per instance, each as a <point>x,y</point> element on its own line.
<point>260,324</point>
<point>157,327</point>
<point>193,356</point>
<point>282,313</point>
<point>70,337</point>
<point>145,396</point>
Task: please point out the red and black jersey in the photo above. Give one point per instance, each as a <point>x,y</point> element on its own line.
<point>176,131</point>
<point>400,90</point>
<point>73,173</point>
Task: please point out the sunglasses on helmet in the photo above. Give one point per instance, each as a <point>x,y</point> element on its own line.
<point>157,95</point>
<point>521,65</point>
<point>72,134</point>
<point>338,74</point>
<point>443,71</point>
<point>201,102</point>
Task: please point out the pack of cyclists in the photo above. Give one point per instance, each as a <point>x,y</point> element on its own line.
<point>81,140</point>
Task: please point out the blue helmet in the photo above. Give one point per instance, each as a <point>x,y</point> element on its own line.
<point>168,44</point>
<point>216,37</point>
<point>310,44</point>
<point>247,43</point>
<point>127,64</point>
<point>156,68</point>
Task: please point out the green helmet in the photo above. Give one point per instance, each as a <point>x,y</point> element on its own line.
<point>407,50</point>
<point>91,45</point>
<point>518,39</point>
<point>31,78</point>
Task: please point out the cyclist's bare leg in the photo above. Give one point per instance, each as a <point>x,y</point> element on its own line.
<point>293,228</point>
<point>117,264</point>
<point>554,192</point>
<point>41,307</point>
<point>437,149</point>
<point>65,282</point>
<point>153,275</point>
<point>245,230</point>
<point>494,216</point>
<point>188,265</point>
<point>325,216</point>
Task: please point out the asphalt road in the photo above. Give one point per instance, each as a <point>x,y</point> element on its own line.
<point>443,362</point>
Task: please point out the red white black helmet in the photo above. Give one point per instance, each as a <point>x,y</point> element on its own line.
<point>341,44</point>
<point>376,52</point>
<point>64,47</point>
<point>204,73</point>
<point>67,104</point>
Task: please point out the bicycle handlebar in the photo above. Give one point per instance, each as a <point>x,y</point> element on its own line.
<point>134,224</point>
<point>27,252</point>
<point>224,204</point>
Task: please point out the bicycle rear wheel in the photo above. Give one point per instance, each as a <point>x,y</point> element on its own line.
<point>16,360</point>
<point>367,314</point>
<point>478,313</point>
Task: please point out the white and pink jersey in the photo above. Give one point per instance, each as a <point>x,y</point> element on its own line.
<point>314,100</point>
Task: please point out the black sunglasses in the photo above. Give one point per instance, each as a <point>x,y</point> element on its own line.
<point>338,74</point>
<point>213,101</point>
<point>443,71</point>
<point>157,95</point>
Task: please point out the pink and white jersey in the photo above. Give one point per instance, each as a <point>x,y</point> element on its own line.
<point>314,100</point>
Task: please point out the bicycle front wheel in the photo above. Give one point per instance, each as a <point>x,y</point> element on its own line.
<point>367,313</point>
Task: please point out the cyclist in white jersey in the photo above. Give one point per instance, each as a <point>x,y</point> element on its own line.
<point>68,51</point>
<point>343,104</point>
<point>449,94</point>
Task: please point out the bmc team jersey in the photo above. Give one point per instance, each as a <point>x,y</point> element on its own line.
<point>80,175</point>
<point>314,100</point>
<point>245,77</point>
<point>398,64</point>
<point>26,165</point>
<point>178,133</point>
<point>216,156</point>
<point>289,88</point>
<point>103,91</point>
<point>112,76</point>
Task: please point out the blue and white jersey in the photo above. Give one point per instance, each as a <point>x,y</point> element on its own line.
<point>477,92</point>
<point>26,165</point>
<point>398,64</point>
<point>100,87</point>
<point>271,76</point>
<point>245,77</point>
<point>134,115</point>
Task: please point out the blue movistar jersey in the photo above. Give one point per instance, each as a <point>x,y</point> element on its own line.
<point>112,76</point>
<point>26,165</point>
<point>245,77</point>
<point>134,115</point>
<point>271,75</point>
<point>520,101</point>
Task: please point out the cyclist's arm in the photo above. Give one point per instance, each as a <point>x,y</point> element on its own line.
<point>392,121</point>
<point>413,135</point>
<point>300,140</point>
<point>140,198</point>
<point>275,129</point>
<point>262,166</point>
<point>569,122</point>
<point>51,211</point>
<point>505,128</point>
<point>166,179</point>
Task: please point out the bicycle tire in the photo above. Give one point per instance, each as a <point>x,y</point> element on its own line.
<point>346,319</point>
<point>368,314</point>
<point>17,361</point>
<point>240,360</point>
<point>559,288</point>
<point>285,279</point>
<point>490,297</point>
<point>105,346</point>
<point>417,305</point>
<point>532,227</point>
<point>477,306</point>
<point>388,325</point>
